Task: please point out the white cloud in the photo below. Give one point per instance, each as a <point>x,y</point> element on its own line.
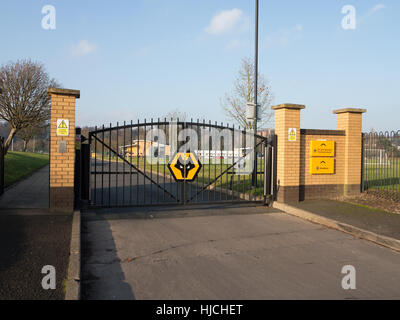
<point>83,48</point>
<point>226,21</point>
<point>283,37</point>
<point>370,12</point>
<point>377,7</point>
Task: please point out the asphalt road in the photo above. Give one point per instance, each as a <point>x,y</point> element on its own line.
<point>29,241</point>
<point>227,253</point>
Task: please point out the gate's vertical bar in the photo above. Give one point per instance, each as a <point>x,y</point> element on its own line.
<point>109,166</point>
<point>177,184</point>
<point>131,163</point>
<point>198,156</point>
<point>190,184</point>
<point>137,162</point>
<point>226,164</point>
<point>245,176</point>
<point>203,158</point>
<point>396,164</point>
<point>2,167</point>
<point>233,162</point>
<point>267,173</point>
<point>151,164</point>
<point>362,161</point>
<point>215,166</point>
<point>144,161</point>
<point>209,160</point>
<point>123,167</point>
<point>165,156</point>
<point>274,168</point>
<point>184,126</point>
<point>102,167</point>
<point>158,161</point>
<point>117,167</point>
<point>95,167</point>
<point>220,165</point>
<point>90,169</point>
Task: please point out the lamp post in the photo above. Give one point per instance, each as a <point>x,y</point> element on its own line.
<point>254,177</point>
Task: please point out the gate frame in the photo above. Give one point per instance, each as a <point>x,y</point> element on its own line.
<point>2,166</point>
<point>270,187</point>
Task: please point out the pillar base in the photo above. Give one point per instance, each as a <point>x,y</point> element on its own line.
<point>288,194</point>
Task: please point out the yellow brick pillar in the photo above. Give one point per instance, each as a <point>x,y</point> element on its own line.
<point>287,128</point>
<point>350,120</point>
<point>62,148</point>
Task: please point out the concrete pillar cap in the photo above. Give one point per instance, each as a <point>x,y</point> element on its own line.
<point>349,110</point>
<point>65,92</point>
<point>289,106</point>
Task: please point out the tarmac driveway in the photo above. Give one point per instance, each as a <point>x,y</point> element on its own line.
<point>30,240</point>
<point>227,253</point>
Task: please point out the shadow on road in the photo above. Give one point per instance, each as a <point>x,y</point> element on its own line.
<point>99,257</point>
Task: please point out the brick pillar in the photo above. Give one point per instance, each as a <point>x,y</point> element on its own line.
<point>62,149</point>
<point>287,116</point>
<point>350,120</point>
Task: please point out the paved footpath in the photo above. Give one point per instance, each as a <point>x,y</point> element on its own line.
<point>32,192</point>
<point>29,241</point>
<point>31,238</point>
<point>227,253</point>
<point>370,219</point>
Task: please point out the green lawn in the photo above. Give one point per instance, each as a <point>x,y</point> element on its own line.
<point>382,176</point>
<point>19,165</point>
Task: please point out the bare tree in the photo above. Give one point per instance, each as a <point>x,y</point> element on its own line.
<point>27,133</point>
<point>234,103</point>
<point>24,100</point>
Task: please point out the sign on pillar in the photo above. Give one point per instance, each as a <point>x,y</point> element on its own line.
<point>292,134</point>
<point>62,127</point>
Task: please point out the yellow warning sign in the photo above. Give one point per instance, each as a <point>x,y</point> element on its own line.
<point>184,166</point>
<point>62,127</point>
<point>293,134</point>
<point>322,149</point>
<point>322,166</point>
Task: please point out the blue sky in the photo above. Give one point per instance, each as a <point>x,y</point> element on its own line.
<point>143,58</point>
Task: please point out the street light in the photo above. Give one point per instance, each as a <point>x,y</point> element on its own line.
<point>254,178</point>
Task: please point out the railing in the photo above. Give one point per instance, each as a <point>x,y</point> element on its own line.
<point>2,183</point>
<point>381,164</point>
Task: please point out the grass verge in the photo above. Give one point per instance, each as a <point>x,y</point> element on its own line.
<point>19,165</point>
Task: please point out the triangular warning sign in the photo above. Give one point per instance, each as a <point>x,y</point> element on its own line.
<point>63,125</point>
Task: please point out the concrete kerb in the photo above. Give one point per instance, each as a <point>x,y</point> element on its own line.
<point>73,285</point>
<point>388,242</point>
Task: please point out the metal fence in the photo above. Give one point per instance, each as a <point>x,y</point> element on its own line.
<point>381,164</point>
<point>1,166</point>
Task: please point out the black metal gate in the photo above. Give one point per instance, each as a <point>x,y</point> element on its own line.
<point>2,182</point>
<point>129,164</point>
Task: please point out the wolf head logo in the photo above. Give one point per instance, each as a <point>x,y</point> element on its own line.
<point>184,166</point>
